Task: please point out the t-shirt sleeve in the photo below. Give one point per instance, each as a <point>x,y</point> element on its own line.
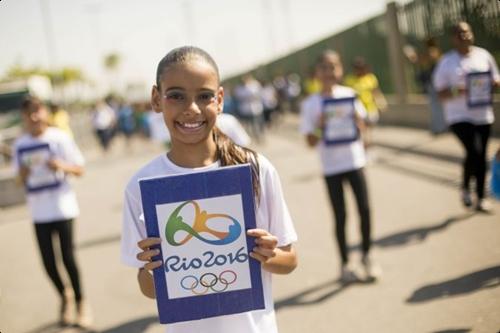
<point>280,221</point>
<point>133,230</point>
<point>307,120</point>
<point>71,152</point>
<point>15,157</point>
<point>439,76</point>
<point>359,108</point>
<point>495,74</point>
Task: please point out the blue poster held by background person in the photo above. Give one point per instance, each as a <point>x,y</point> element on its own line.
<point>495,176</point>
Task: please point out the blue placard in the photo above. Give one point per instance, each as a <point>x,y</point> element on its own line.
<point>340,121</point>
<point>202,220</point>
<point>41,177</point>
<point>479,87</point>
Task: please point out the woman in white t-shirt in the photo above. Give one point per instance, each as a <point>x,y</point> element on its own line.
<point>333,120</point>
<point>464,79</point>
<point>44,157</point>
<point>188,95</point>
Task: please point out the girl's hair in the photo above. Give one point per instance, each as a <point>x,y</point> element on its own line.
<point>326,54</point>
<point>181,55</point>
<point>30,102</point>
<point>228,152</point>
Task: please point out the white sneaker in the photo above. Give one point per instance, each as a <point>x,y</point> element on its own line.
<point>84,317</point>
<point>372,270</point>
<point>483,206</point>
<point>347,274</point>
<point>66,314</point>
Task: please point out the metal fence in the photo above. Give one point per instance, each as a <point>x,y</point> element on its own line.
<point>421,19</point>
<point>418,20</point>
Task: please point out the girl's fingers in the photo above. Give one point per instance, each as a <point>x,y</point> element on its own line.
<point>269,241</point>
<point>146,243</point>
<point>267,253</point>
<point>257,232</point>
<point>152,265</point>
<point>258,257</point>
<point>147,255</point>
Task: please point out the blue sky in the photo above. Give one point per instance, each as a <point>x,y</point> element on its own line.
<point>238,33</point>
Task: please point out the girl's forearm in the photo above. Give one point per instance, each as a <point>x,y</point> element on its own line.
<point>284,262</point>
<point>74,170</point>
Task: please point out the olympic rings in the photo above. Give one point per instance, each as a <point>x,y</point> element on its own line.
<point>209,281</point>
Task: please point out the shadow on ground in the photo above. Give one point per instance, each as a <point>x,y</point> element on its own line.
<point>135,326</point>
<point>469,283</point>
<point>56,328</point>
<point>316,294</point>
<point>416,235</point>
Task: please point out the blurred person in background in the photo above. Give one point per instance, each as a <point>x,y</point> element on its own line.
<point>44,157</point>
<point>464,79</point>
<point>126,121</point>
<point>230,125</point>
<point>270,102</point>
<point>311,83</point>
<point>250,108</point>
<point>103,123</point>
<point>60,118</point>
<point>333,121</point>
<point>426,63</point>
<point>230,103</point>
<point>366,85</point>
<point>293,91</point>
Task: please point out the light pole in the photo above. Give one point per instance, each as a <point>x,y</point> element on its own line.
<point>49,34</point>
<point>188,21</point>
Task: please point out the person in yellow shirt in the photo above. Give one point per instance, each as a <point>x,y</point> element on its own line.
<point>365,83</point>
<point>60,118</point>
<point>311,84</point>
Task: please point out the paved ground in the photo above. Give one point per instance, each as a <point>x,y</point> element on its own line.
<point>441,263</point>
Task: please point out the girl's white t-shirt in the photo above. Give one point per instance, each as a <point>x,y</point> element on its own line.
<point>336,158</point>
<point>451,71</point>
<point>272,214</point>
<point>58,203</point>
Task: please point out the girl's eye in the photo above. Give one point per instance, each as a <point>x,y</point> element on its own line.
<point>206,97</point>
<point>175,96</point>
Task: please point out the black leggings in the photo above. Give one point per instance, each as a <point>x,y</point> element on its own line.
<point>474,138</point>
<point>63,230</point>
<point>336,191</point>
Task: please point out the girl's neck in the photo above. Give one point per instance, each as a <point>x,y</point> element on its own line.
<point>327,88</point>
<point>464,50</point>
<point>193,156</point>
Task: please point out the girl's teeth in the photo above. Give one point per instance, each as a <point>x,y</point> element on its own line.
<point>191,125</point>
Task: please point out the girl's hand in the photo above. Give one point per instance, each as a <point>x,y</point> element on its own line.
<point>24,172</point>
<point>322,120</point>
<point>55,165</point>
<point>149,247</point>
<point>266,245</point>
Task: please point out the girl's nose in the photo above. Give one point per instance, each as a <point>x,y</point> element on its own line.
<point>192,107</point>
<point>34,116</point>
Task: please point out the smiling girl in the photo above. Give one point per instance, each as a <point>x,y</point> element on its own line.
<point>189,96</point>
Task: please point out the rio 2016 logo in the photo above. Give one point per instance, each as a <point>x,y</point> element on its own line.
<point>176,223</point>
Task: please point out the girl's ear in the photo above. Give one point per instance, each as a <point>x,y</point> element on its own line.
<point>156,99</point>
<point>220,100</point>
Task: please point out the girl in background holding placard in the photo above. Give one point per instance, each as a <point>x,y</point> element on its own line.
<point>464,79</point>
<point>189,96</point>
<point>43,157</point>
<point>333,120</point>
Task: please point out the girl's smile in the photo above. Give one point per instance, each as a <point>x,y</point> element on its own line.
<point>190,98</point>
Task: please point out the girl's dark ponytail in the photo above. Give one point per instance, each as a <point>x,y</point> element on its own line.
<point>229,153</point>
